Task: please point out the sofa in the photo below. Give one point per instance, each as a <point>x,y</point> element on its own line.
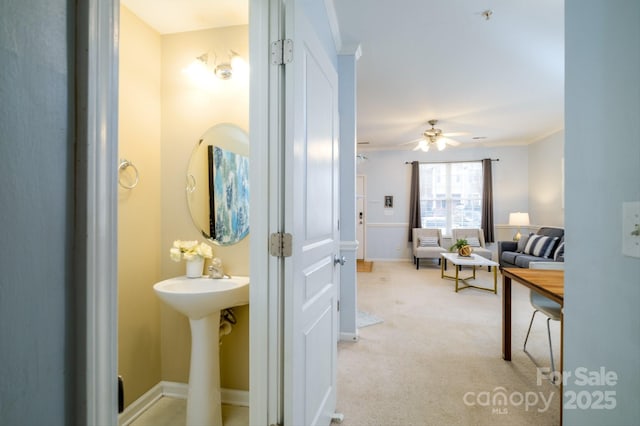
<point>546,245</point>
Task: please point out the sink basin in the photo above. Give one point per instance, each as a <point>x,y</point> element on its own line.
<point>199,297</point>
<point>202,299</point>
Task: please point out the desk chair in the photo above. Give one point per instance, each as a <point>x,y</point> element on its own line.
<point>548,307</point>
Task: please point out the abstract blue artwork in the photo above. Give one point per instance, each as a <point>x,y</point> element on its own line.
<point>231,196</point>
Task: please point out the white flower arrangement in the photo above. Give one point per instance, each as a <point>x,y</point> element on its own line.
<point>189,250</point>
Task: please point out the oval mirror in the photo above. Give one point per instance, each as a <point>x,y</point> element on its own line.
<point>218,184</point>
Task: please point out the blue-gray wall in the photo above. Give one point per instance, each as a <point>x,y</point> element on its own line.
<point>36,223</point>
<point>387,174</point>
<point>602,167</point>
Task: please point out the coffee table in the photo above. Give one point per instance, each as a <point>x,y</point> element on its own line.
<point>473,261</point>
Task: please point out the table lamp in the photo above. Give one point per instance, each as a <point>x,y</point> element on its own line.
<point>518,219</point>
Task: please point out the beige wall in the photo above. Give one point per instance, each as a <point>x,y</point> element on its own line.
<point>162,116</point>
<point>139,208</point>
<point>188,110</point>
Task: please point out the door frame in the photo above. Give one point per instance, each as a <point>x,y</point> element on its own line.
<point>96,227</point>
<point>98,24</point>
<point>266,296</point>
<point>363,196</point>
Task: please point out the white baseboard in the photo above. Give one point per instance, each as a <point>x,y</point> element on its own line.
<point>349,337</point>
<point>235,397</point>
<point>175,390</point>
<point>140,405</point>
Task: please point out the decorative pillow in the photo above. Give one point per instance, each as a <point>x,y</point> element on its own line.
<point>540,246</point>
<point>428,241</point>
<point>522,242</point>
<point>473,241</point>
<point>559,252</point>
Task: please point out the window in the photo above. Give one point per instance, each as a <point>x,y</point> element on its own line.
<point>451,195</point>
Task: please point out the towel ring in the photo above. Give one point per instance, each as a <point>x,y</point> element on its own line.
<point>124,164</point>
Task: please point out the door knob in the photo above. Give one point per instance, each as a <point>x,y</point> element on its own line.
<point>339,259</point>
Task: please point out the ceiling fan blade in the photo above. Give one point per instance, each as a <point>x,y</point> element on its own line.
<point>452,142</point>
<point>412,141</point>
<point>449,134</point>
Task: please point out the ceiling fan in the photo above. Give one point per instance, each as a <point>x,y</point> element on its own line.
<point>433,136</point>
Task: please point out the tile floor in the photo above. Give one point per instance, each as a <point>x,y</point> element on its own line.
<point>169,411</point>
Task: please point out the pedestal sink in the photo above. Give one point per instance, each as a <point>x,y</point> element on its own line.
<point>202,299</point>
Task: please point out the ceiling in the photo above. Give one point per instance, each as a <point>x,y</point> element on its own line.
<point>174,16</point>
<point>499,79</point>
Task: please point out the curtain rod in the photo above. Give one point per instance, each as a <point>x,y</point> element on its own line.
<point>438,162</point>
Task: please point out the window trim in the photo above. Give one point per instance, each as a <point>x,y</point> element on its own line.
<point>448,199</point>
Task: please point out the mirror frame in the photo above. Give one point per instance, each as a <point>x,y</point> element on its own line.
<point>229,144</point>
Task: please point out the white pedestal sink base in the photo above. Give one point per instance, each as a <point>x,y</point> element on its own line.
<point>204,404</point>
<point>201,299</point>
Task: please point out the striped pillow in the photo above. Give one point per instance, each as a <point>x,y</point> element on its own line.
<point>559,252</point>
<point>428,241</point>
<point>473,241</point>
<point>540,245</point>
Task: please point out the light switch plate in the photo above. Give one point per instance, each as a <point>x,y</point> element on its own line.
<point>631,229</point>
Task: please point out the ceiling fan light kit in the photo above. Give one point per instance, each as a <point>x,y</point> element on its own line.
<point>432,136</point>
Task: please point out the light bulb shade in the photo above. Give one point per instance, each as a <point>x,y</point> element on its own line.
<point>197,70</point>
<point>223,71</point>
<point>519,219</point>
<point>237,62</point>
<point>441,144</point>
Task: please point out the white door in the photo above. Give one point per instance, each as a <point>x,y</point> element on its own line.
<point>311,216</point>
<point>360,216</point>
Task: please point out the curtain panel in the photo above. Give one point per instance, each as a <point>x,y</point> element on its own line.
<point>414,201</point>
<point>486,219</point>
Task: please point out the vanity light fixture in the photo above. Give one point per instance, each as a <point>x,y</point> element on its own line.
<point>222,70</point>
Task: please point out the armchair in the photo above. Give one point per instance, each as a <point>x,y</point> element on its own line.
<point>427,243</point>
<point>475,238</point>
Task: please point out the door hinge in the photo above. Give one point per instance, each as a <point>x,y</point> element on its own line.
<point>281,244</point>
<point>338,306</point>
<point>282,52</point>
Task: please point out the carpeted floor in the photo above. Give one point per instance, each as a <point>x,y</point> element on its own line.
<point>437,357</point>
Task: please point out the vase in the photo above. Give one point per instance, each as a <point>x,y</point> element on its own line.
<point>195,267</point>
<point>464,251</point>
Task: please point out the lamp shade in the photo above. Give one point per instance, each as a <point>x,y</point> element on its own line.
<point>519,219</point>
